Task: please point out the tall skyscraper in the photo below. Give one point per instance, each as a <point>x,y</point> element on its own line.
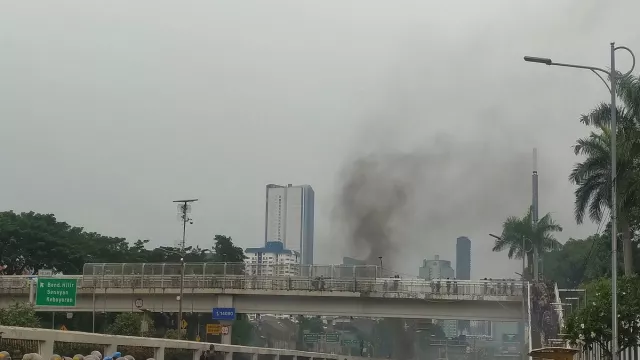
<point>289,218</point>
<point>463,258</point>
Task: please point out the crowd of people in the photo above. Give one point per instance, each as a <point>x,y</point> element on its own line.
<point>95,355</point>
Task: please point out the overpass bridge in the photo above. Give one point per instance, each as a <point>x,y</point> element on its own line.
<point>301,290</point>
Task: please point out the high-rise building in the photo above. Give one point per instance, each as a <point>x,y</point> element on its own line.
<point>463,258</point>
<point>436,269</point>
<point>289,218</point>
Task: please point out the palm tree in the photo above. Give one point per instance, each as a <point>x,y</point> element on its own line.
<point>538,235</point>
<point>593,175</point>
<point>593,179</point>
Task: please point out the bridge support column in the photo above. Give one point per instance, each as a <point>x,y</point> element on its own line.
<point>46,349</point>
<point>158,353</point>
<point>227,356</point>
<point>254,356</point>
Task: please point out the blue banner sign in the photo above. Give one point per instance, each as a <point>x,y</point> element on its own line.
<point>224,314</point>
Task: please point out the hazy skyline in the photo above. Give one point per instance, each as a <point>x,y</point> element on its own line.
<point>110,111</point>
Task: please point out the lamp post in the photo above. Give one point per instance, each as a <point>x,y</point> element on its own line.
<point>524,306</point>
<point>184,208</point>
<point>613,77</point>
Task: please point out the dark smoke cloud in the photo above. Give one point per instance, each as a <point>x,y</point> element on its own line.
<point>394,203</point>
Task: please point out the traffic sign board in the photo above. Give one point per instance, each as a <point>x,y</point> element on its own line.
<point>56,292</point>
<point>225,330</point>
<point>224,313</point>
<point>63,328</point>
<point>184,324</point>
<point>45,272</point>
<point>332,338</point>
<point>214,329</point>
<point>311,338</point>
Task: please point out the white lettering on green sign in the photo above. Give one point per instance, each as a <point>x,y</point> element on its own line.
<point>56,292</point>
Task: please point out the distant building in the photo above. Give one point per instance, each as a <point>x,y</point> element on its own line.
<point>463,258</point>
<point>272,260</point>
<point>289,218</point>
<point>436,269</point>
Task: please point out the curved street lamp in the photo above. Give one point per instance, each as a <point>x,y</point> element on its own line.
<point>613,77</point>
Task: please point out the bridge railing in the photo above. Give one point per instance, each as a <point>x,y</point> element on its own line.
<point>262,269</point>
<point>109,344</point>
<point>386,287</point>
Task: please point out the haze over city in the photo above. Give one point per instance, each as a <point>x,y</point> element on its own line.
<point>109,113</point>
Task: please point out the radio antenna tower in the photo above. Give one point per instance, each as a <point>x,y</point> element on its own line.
<point>184,208</point>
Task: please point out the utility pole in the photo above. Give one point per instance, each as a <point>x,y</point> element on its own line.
<point>184,208</point>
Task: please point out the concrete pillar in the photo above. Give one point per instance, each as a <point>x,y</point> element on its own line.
<point>254,356</point>
<point>109,349</point>
<point>276,357</point>
<point>197,353</point>
<point>158,353</point>
<point>227,356</point>
<point>46,349</point>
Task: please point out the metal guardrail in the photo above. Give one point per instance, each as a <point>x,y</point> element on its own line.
<point>392,287</point>
<point>259,269</point>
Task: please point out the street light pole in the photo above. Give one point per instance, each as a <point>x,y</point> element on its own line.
<point>613,76</point>
<point>184,208</point>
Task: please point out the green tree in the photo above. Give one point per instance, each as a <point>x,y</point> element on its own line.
<point>30,241</point>
<point>225,251</point>
<point>593,175</point>
<point>579,261</point>
<point>591,325</point>
<point>539,236</point>
<point>19,314</point>
<point>242,331</point>
<point>130,324</point>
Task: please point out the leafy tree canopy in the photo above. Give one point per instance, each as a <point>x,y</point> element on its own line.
<point>30,241</point>
<point>19,314</point>
<point>591,325</point>
<point>130,324</point>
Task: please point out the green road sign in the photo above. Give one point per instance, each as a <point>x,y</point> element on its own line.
<point>350,342</point>
<point>311,338</point>
<point>56,292</point>
<point>332,338</point>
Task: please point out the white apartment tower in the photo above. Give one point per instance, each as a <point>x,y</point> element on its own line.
<point>289,218</point>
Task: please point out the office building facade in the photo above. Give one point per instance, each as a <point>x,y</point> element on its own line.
<point>272,260</point>
<point>289,218</point>
<point>463,258</point>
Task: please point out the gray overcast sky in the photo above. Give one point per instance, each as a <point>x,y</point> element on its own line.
<point>111,110</point>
